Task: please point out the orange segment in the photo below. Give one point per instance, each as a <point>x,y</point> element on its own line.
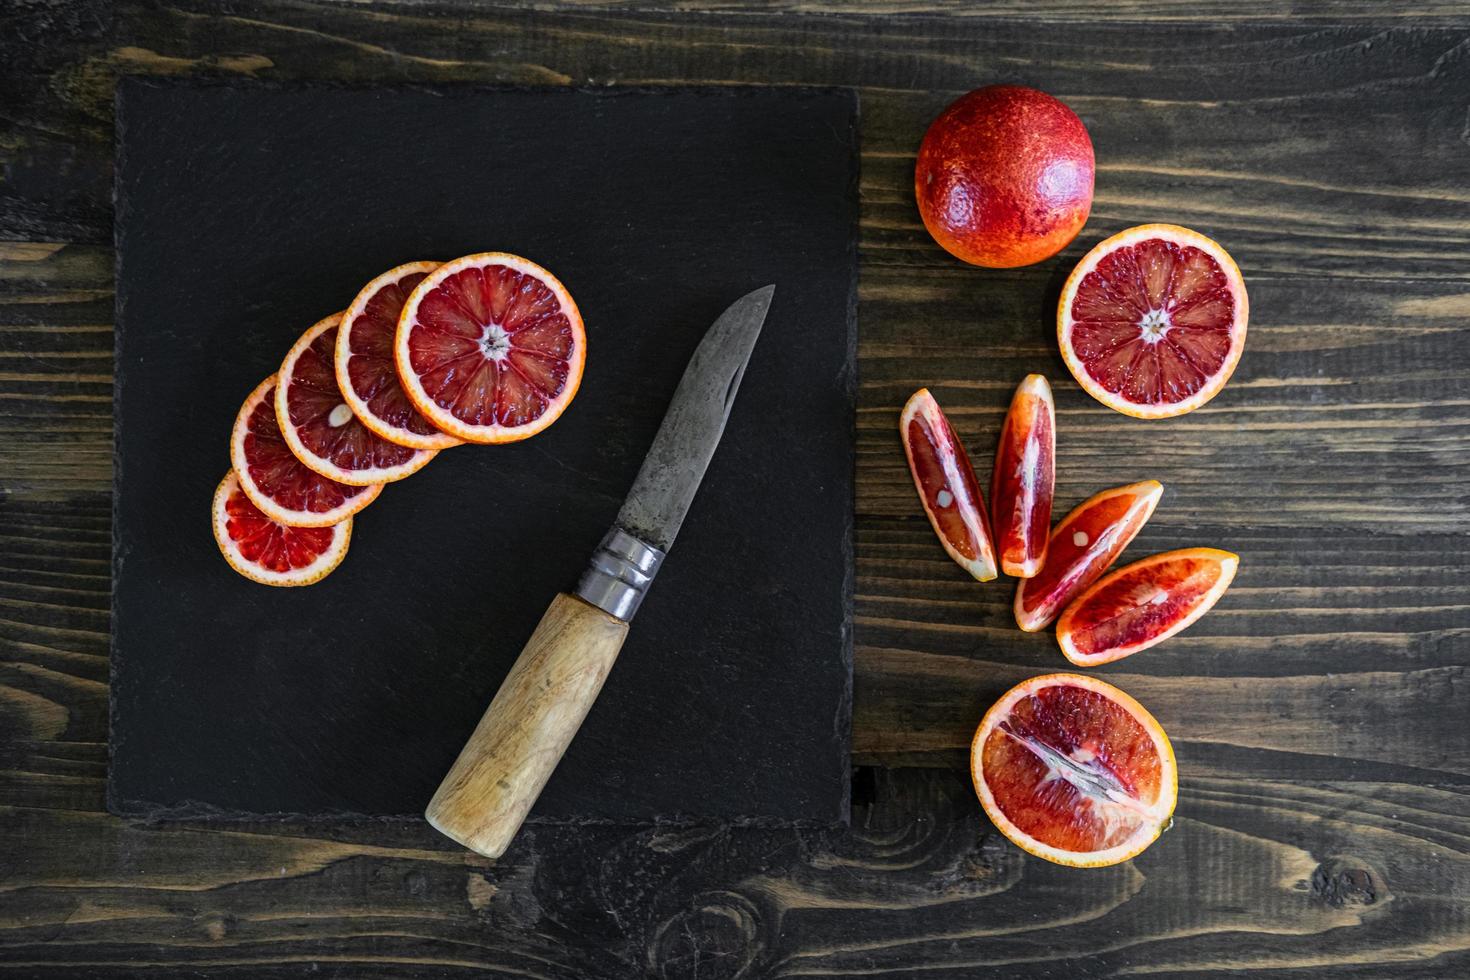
<point>1023,480</point>
<point>1152,322</point>
<point>265,550</point>
<point>946,484</point>
<point>275,480</point>
<point>490,348</point>
<point>1143,604</point>
<point>322,429</point>
<point>1074,770</point>
<point>365,370</point>
<point>1083,546</point>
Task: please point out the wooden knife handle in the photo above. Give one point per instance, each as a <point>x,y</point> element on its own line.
<point>521,738</point>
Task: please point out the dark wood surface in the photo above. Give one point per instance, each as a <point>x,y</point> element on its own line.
<point>1319,714</point>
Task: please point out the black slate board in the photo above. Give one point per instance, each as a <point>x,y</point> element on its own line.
<point>244,213</point>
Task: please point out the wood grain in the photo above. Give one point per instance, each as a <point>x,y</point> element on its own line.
<point>523,734</point>
<point>1318,712</point>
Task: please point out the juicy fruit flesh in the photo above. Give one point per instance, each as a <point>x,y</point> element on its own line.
<point>1073,769</point>
<point>269,544</point>
<point>491,346</point>
<point>1080,551</point>
<point>370,367</point>
<point>1152,321</point>
<point>277,472</point>
<point>949,491</point>
<point>1021,495</point>
<point>325,424</point>
<point>1141,604</point>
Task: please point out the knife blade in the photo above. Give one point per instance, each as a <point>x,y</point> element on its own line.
<point>490,789</point>
<point>633,549</point>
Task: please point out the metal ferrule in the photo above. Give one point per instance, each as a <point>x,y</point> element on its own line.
<point>619,574</point>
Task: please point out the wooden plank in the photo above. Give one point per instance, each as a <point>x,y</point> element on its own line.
<point>1318,713</point>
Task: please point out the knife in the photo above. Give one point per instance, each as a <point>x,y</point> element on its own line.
<point>542,702</point>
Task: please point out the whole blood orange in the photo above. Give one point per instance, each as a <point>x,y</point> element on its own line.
<point>1143,604</point>
<point>364,361</point>
<point>264,550</point>
<point>1004,176</point>
<point>1023,481</point>
<point>275,480</point>
<point>946,484</point>
<point>1152,321</point>
<point>1083,546</point>
<point>490,348</point>
<point>322,429</point>
<point>1075,771</point>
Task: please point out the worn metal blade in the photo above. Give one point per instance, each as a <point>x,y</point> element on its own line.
<point>655,507</point>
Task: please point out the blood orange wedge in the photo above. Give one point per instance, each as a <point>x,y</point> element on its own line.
<point>1083,546</point>
<point>490,348</point>
<point>275,480</point>
<point>1075,771</point>
<point>364,361</point>
<point>1022,483</point>
<point>321,428</point>
<point>1152,321</point>
<point>267,551</point>
<point>1144,604</point>
<point>946,485</point>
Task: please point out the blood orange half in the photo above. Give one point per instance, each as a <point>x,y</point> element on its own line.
<point>946,484</point>
<point>1143,604</point>
<point>364,361</point>
<point>1023,481</point>
<point>267,551</point>
<point>275,480</point>
<point>322,429</point>
<point>1074,770</point>
<point>1152,321</point>
<point>1083,546</point>
<point>490,348</point>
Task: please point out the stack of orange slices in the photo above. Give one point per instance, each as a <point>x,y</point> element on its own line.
<point>488,348</point>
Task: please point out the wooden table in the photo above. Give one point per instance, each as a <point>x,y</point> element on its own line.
<point>1320,713</point>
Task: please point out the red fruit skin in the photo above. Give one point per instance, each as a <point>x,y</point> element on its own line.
<point>1004,177</point>
<point>1023,480</point>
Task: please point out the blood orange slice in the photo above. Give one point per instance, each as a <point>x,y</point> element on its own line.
<point>364,361</point>
<point>1023,481</point>
<point>1152,321</point>
<point>490,348</point>
<point>321,428</point>
<point>275,480</point>
<point>1143,604</point>
<point>946,484</point>
<point>1083,546</point>
<point>1075,771</point>
<point>267,551</point>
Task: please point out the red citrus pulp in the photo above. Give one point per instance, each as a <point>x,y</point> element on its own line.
<point>1004,176</point>
<point>1083,546</point>
<point>1074,770</point>
<point>364,361</point>
<point>275,480</point>
<point>1023,480</point>
<point>490,348</point>
<point>1152,321</point>
<point>321,428</point>
<point>946,484</point>
<point>1143,604</point>
<point>265,550</point>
